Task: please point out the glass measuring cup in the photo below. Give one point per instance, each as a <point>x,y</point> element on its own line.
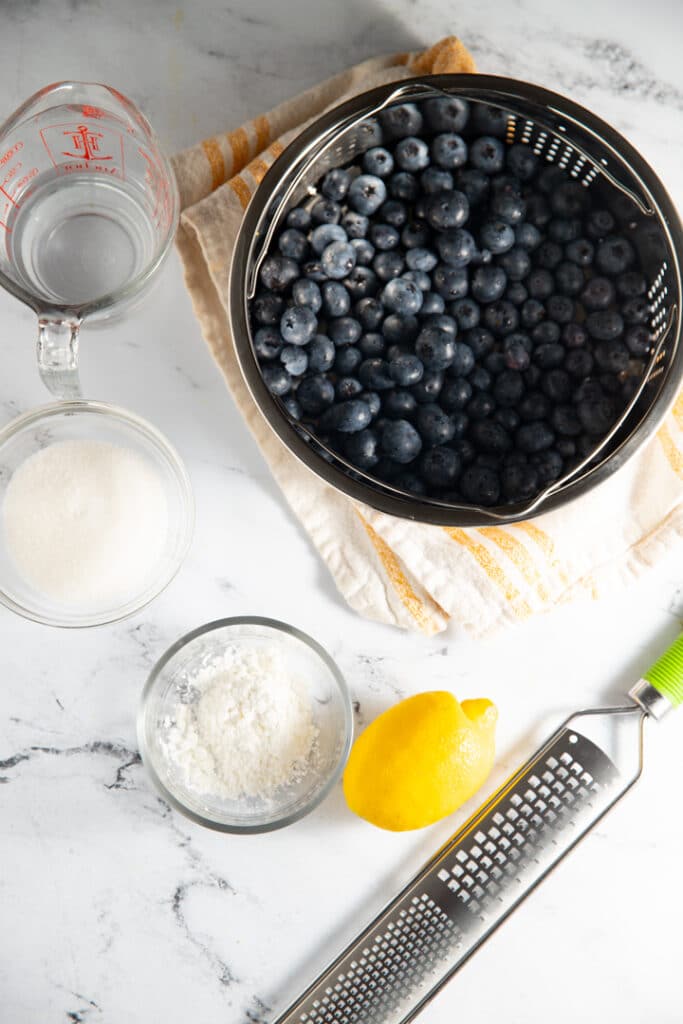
<point>88,211</point>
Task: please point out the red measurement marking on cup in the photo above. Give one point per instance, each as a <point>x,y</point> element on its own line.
<point>10,153</point>
<point>158,184</point>
<point>89,111</point>
<point>90,147</point>
<point>87,143</point>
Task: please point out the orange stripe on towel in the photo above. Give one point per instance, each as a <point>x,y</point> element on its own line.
<point>545,543</point>
<point>213,154</point>
<point>275,148</point>
<point>492,569</point>
<point>239,145</point>
<point>671,451</point>
<point>519,556</point>
<point>258,169</point>
<point>398,579</point>
<point>678,410</point>
<point>262,132</point>
<point>241,190</point>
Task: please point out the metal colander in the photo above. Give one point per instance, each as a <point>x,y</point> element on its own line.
<point>560,132</point>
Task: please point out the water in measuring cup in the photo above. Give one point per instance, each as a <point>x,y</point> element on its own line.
<point>78,237</point>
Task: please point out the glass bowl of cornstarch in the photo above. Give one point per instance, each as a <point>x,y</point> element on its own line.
<point>245,725</point>
<point>96,514</point>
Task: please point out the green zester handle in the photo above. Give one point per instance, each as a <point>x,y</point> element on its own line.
<point>666,674</point>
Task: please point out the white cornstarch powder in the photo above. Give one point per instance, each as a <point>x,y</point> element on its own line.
<point>250,729</point>
<point>85,521</point>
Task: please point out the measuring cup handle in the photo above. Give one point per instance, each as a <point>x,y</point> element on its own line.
<point>58,356</point>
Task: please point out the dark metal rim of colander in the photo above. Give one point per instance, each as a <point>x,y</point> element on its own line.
<point>547,110</point>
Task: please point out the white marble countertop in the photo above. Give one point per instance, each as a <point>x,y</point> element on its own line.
<point>112,908</point>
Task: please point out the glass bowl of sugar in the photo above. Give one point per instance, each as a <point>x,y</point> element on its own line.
<point>96,514</point>
<point>245,725</point>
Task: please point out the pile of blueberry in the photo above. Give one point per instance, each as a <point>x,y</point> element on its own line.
<point>451,314</point>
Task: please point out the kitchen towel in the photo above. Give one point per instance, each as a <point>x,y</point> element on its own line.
<point>389,569</point>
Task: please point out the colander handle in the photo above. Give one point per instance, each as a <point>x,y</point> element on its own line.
<point>661,687</point>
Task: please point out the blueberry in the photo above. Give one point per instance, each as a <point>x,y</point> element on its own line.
<point>278,272</point>
<point>313,270</point>
<point>292,407</point>
<point>429,387</point>
<point>548,464</point>
<point>293,244</point>
<point>474,184</point>
<point>548,255</point>
<point>456,248</point>
<point>399,404</point>
<point>406,369</point>
<point>508,207</point>
<point>636,311</point>
<point>325,234</point>
<point>599,224</point>
<point>362,449</point>
<point>307,293</point>
<point>534,437</point>
<point>294,359</point>
<point>446,210</point>
<point>565,421</point>
<point>401,120</point>
<point>540,284</point>
<point>388,264</point>
<point>537,211</point>
<point>497,236</point>
<point>298,325</point>
<point>516,263</point>
<point>534,406</point>
<point>356,225</point>
<point>519,481</point>
<point>321,354</point>
<point>450,282</point>
<point>363,281</point>
<point>532,313</point>
<point>546,333</point>
<point>299,218</point>
<point>401,441</point>
<point>436,179</point>
<point>347,360</point>
<point>326,211</point>
<point>408,481</point>
<point>480,340</point>
<point>564,231</point>
<point>631,284</point>
<point>464,448</point>
<point>415,235</point>
<point>579,363</point>
<point>480,379</point>
<point>508,388</point>
<point>267,342</point>
<point>581,251</point>
<point>411,154</point>
<point>372,344</point>
<point>374,402</point>
<point>557,385</point>
<point>336,183</point>
<point>384,237</point>
<point>481,406</point>
<point>369,312</point>
<point>490,120</point>
<point>434,424</point>
<point>364,250</point>
<point>462,362</point>
<point>487,154</point>
<point>366,193</point>
<point>378,161</point>
<point>455,394</point>
<point>604,325</point>
<point>569,199</point>
<point>501,317</point>
<point>466,313</point>
<point>267,308</point>
<point>566,447</point>
<point>488,284</point>
<point>610,382</point>
<point>402,297</point>
<point>598,293</point>
<point>494,363</point>
<point>560,308</point>
<point>336,301</point>
<point>549,355</point>
<point>522,161</point>
<point>516,293</point>
<point>443,321</point>
<point>597,414</point>
<point>419,278</point>
<point>347,388</point>
<point>480,485</point>
<point>489,436</point>
<point>449,151</point>
<point>446,113</point>
<point>346,417</point>
<point>276,379</point>
<point>638,340</point>
<point>527,236</point>
<point>614,255</point>
<point>315,394</point>
<point>393,212</point>
<point>569,278</point>
<point>374,375</point>
<point>435,347</point>
<point>344,330</point>
<point>508,419</point>
<point>432,304</point>
<point>400,330</point>
<point>440,466</point>
<point>338,259</point>
<point>404,185</point>
<point>612,356</point>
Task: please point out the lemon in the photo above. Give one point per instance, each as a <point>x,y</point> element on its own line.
<point>420,760</point>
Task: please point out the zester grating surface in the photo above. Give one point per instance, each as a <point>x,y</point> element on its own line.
<point>474,881</point>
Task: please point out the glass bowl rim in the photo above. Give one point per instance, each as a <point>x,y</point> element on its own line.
<point>145,429</point>
<point>277,626</point>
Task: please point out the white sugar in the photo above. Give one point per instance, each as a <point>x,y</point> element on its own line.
<point>85,521</point>
<point>250,729</point>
